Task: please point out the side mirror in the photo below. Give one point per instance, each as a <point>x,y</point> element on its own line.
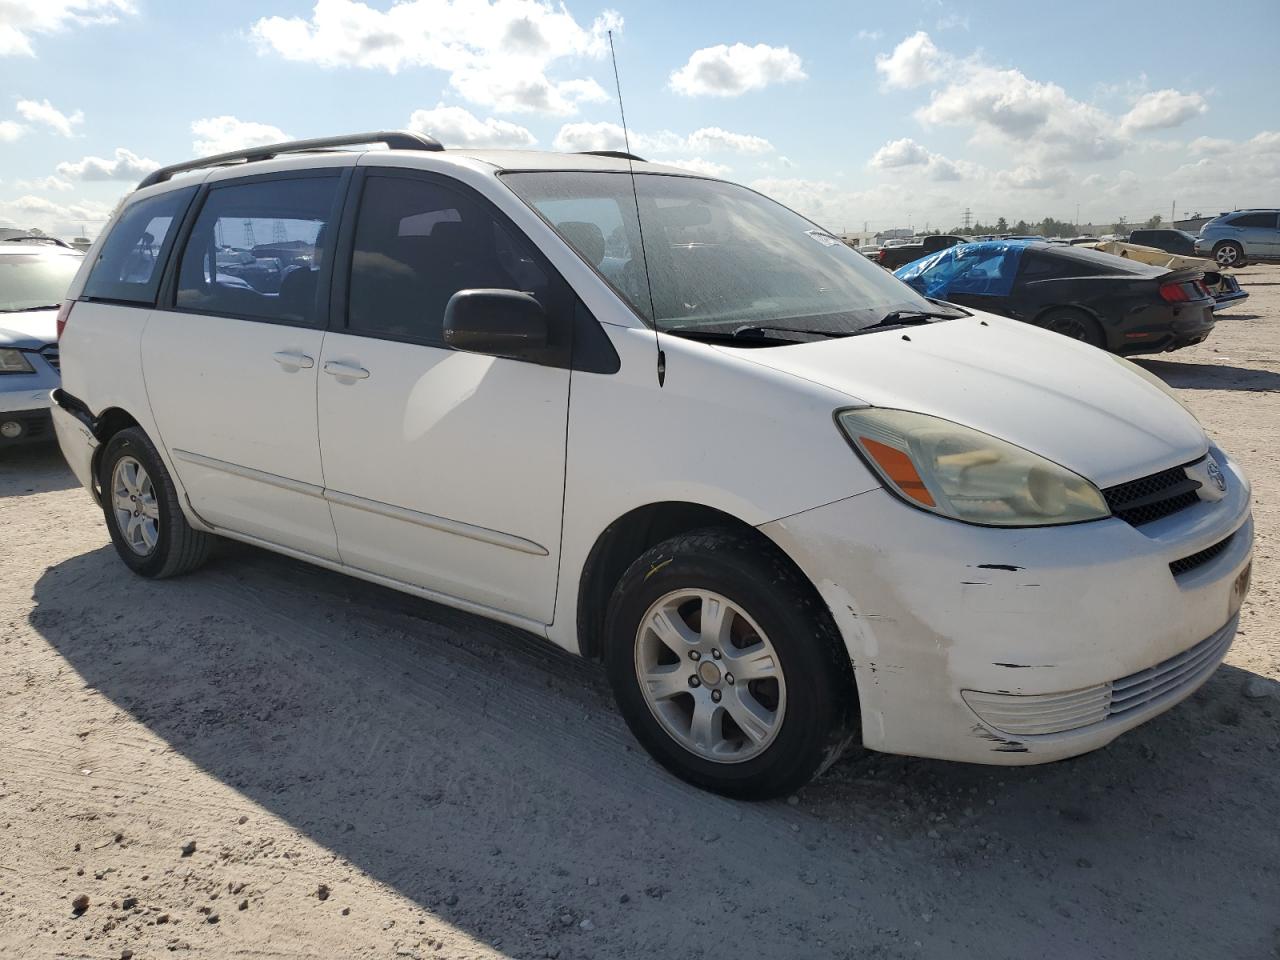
<point>502,323</point>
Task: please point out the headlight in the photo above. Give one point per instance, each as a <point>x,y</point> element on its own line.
<point>12,361</point>
<point>964,474</point>
<point>1152,379</point>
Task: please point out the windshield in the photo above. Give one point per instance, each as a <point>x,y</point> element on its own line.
<point>719,255</point>
<point>31,281</point>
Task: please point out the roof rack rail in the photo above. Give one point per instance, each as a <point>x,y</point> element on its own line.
<point>394,140</point>
<point>615,154</point>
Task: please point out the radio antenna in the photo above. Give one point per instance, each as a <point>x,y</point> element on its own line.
<point>635,195</point>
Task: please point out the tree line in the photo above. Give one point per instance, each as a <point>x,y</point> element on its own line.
<point>1049,227</point>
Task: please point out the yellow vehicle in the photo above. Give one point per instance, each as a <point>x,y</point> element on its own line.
<point>1224,287</point>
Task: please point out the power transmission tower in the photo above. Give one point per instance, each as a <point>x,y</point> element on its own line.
<point>968,219</point>
<point>278,232</point>
<point>249,240</point>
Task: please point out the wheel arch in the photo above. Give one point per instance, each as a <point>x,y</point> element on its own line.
<point>630,535</point>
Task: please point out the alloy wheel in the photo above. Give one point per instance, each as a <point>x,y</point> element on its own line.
<point>133,498</point>
<point>710,676</point>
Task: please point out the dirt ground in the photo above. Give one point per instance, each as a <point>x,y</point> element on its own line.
<point>265,760</point>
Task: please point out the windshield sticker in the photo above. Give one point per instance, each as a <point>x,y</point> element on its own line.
<point>824,238</point>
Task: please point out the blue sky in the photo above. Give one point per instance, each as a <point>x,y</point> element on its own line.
<point>881,113</point>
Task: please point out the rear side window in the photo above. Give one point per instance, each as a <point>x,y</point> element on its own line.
<point>132,258</point>
<point>417,243</point>
<point>1254,220</point>
<point>257,250</point>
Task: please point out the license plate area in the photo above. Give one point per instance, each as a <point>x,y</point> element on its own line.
<point>1239,590</point>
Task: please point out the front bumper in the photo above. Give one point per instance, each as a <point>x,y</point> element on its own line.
<point>1075,617</point>
<point>24,426</point>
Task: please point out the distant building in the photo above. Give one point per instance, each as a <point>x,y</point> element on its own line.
<point>897,233</point>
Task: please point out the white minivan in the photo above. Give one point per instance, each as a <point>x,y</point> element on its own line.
<point>662,421</point>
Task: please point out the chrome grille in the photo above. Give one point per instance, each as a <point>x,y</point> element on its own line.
<point>1029,715</point>
<point>50,353</point>
<point>1150,498</point>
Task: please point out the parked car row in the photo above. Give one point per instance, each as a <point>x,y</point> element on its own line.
<point>34,275</point>
<point>792,502</point>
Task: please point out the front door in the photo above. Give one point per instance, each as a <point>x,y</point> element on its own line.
<point>443,469</point>
<point>231,364</point>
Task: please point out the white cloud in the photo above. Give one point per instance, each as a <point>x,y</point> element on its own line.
<point>224,134</point>
<point>1032,177</point>
<point>10,131</point>
<point>45,113</point>
<point>952,21</point>
<point>45,183</point>
<point>697,165</point>
<point>711,139</point>
<point>1242,174</point>
<point>914,62</point>
<point>454,126</point>
<point>1162,109</point>
<point>57,219</point>
<point>1210,145</point>
<point>907,155</point>
<point>576,137</point>
<point>1003,106</point>
<point>870,34</point>
<point>496,53</point>
<point>19,19</point>
<point>1007,105</point>
<point>899,153</point>
<point>126,165</point>
<point>724,71</point>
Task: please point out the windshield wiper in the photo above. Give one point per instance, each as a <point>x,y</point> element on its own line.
<point>751,332</point>
<point>48,306</point>
<point>908,318</point>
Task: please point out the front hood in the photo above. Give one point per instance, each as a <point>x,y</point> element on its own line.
<point>1064,400</point>
<point>28,331</point>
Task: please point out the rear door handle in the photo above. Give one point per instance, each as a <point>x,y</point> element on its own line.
<point>293,361</point>
<point>345,371</point>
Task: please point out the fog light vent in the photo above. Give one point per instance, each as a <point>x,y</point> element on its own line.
<point>1041,713</point>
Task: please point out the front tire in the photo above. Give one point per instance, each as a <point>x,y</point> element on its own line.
<point>143,515</point>
<point>1229,254</point>
<point>727,666</point>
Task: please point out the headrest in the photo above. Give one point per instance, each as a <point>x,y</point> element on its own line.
<point>586,238</point>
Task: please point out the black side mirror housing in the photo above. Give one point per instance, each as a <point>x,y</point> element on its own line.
<point>501,323</point>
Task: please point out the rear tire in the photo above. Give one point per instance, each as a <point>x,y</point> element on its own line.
<point>1228,253</point>
<point>1074,324</point>
<point>736,603</point>
<point>143,515</point>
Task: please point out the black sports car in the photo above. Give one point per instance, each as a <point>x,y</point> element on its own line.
<point>1119,305</point>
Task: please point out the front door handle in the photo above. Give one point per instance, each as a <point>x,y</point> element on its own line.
<point>345,371</point>
<point>293,361</point>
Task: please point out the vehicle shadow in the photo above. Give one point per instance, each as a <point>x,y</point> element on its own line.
<point>486,776</point>
<point>1212,376</point>
<point>34,468</point>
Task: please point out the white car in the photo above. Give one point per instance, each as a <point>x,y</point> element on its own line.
<point>665,422</point>
<point>34,276</point>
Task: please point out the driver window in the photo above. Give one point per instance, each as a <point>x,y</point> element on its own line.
<point>417,244</point>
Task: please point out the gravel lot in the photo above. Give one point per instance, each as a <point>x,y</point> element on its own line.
<point>267,760</point>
